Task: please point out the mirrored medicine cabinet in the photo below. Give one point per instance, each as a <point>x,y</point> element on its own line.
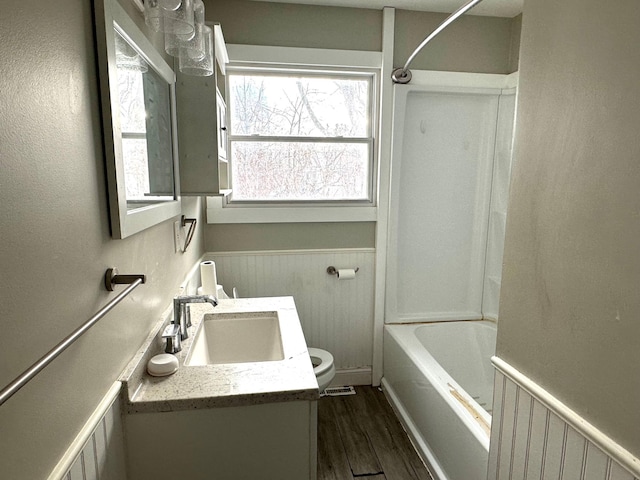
<point>139,122</point>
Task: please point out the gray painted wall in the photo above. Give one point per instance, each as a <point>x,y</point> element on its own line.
<point>471,44</point>
<point>570,302</point>
<point>478,44</point>
<point>514,49</point>
<point>289,236</point>
<point>292,25</point>
<point>56,243</point>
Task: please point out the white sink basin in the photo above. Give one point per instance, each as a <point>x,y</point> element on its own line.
<point>237,338</point>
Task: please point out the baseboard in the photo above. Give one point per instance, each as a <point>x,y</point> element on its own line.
<point>352,376</point>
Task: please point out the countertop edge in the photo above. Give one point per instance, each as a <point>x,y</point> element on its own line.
<point>240,400</point>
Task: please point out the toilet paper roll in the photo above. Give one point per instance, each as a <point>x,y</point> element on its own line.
<point>346,274</point>
<point>208,278</point>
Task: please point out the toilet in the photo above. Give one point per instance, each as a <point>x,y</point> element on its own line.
<point>323,367</point>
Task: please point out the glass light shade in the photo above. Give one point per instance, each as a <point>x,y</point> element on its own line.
<point>199,66</point>
<point>194,42</point>
<point>195,48</point>
<point>173,43</point>
<point>173,16</point>
<point>170,4</point>
<point>154,15</point>
<point>179,21</point>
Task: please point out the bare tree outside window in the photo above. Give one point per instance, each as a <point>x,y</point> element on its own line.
<point>133,129</point>
<point>300,137</point>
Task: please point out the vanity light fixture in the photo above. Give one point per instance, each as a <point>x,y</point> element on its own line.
<point>186,36</point>
<point>196,65</point>
<point>169,16</point>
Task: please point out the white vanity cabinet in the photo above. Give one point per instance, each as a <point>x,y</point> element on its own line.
<point>267,441</point>
<point>246,417</point>
<point>202,128</point>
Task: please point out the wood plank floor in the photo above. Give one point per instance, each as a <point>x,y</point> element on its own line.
<point>360,437</point>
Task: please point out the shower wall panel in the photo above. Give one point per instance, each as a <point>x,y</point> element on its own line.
<point>442,168</point>
<point>498,210</point>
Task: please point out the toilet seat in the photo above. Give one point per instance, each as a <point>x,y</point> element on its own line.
<point>323,367</point>
<point>324,358</point>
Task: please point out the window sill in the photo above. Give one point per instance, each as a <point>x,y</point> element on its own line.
<point>217,213</point>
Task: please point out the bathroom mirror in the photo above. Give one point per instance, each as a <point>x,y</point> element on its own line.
<point>138,111</point>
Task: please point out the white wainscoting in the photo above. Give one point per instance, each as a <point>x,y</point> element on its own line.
<point>535,436</point>
<point>98,450</point>
<point>336,315</point>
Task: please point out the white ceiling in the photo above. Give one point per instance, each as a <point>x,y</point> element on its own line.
<point>495,8</point>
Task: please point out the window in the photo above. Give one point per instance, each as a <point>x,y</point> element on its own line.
<point>300,135</point>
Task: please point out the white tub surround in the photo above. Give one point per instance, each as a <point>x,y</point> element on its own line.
<point>223,385</point>
<point>452,144</point>
<point>534,435</point>
<point>438,377</point>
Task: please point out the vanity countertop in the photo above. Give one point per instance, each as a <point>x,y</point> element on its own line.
<point>223,385</point>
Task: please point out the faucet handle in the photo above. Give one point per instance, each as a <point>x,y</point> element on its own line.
<point>172,334</point>
<point>187,315</point>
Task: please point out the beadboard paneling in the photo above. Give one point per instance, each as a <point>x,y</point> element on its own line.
<point>97,453</point>
<point>336,315</point>
<point>535,436</point>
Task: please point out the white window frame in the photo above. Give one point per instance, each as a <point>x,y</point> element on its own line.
<point>367,139</point>
<point>243,57</point>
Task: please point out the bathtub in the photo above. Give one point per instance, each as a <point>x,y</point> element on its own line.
<point>439,379</point>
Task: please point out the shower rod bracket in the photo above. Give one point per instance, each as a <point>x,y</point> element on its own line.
<point>401,76</point>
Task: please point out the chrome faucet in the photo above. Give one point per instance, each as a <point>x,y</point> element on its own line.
<point>181,314</point>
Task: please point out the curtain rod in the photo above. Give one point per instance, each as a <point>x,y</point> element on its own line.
<point>403,75</point>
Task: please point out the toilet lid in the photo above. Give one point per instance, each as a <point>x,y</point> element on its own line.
<point>325,358</point>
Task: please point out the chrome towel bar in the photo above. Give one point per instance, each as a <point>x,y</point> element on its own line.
<point>33,370</point>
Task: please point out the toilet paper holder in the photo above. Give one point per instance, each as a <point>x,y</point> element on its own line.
<point>331,270</point>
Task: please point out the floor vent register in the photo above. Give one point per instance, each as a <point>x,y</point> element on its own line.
<point>337,391</point>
